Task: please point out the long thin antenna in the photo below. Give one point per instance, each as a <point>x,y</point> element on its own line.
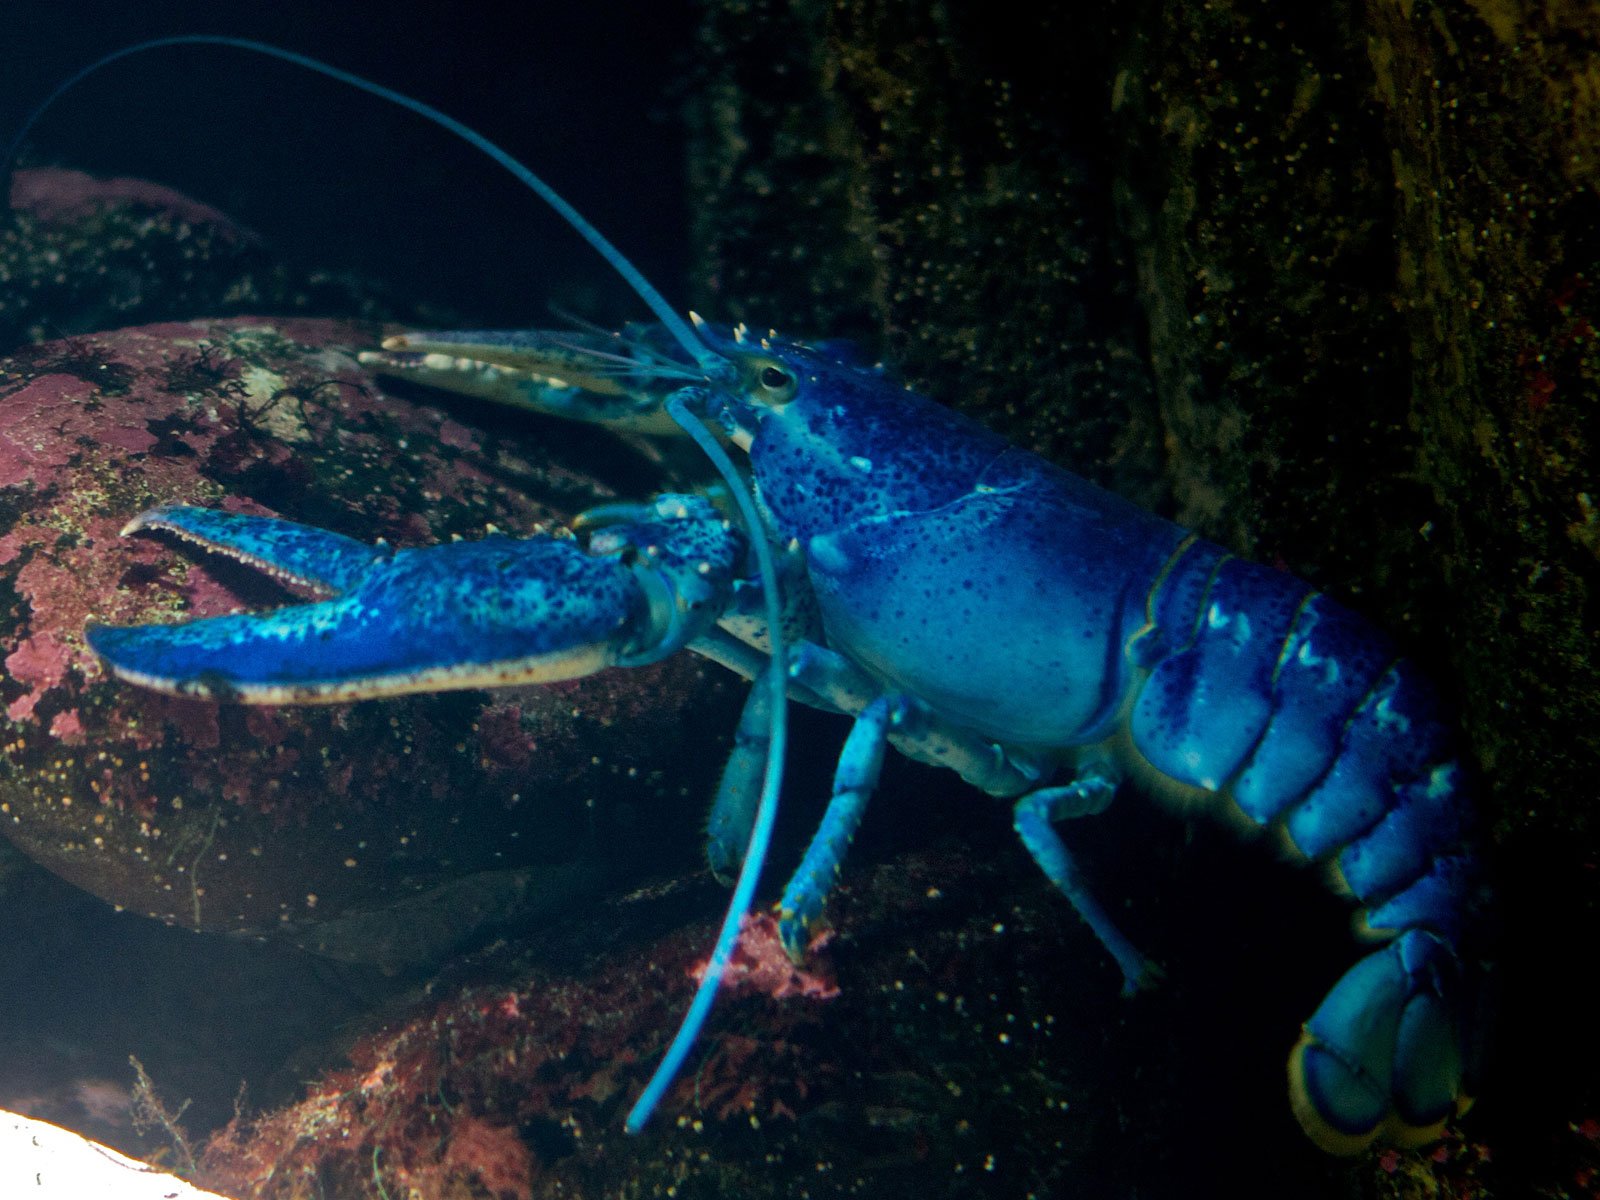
<point>777,678</point>
<point>662,310</point>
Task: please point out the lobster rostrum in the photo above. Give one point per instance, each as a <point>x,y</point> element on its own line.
<point>890,538</point>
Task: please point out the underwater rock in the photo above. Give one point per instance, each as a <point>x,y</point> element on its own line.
<point>60,195</point>
<point>935,1060</point>
<point>79,254</point>
<point>279,819</point>
<point>55,1164</point>
<point>959,1035</point>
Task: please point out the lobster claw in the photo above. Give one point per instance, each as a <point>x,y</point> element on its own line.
<point>491,613</point>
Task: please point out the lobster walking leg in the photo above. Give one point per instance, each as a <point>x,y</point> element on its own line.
<point>1033,817</point>
<point>853,783</point>
<point>733,813</point>
<point>838,685</point>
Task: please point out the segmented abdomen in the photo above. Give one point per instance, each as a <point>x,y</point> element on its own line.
<point>1301,713</point>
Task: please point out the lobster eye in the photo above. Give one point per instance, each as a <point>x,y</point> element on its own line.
<point>769,380</point>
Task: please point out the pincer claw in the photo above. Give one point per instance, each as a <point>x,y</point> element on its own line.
<point>491,613</point>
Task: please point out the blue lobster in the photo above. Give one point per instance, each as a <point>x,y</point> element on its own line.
<point>888,540</point>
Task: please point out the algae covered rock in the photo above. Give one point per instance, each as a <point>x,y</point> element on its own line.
<point>79,254</point>
<point>914,1054</point>
<point>265,818</point>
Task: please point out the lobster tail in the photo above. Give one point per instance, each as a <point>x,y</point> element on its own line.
<point>1387,1055</point>
<point>1304,718</point>
<point>1391,1052</point>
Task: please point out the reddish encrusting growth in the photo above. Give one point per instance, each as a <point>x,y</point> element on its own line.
<point>891,1082</point>
<point>224,817</point>
<point>759,963</point>
<point>448,1101</point>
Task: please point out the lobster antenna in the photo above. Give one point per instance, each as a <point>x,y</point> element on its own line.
<point>714,365</point>
<point>755,854</point>
<point>630,274</point>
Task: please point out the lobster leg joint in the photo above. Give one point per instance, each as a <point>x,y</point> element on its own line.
<point>1086,796</point>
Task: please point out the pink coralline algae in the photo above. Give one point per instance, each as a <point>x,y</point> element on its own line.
<point>219,817</point>
<point>760,964</point>
<point>947,1054</point>
<point>67,727</point>
<point>41,663</point>
<point>35,437</point>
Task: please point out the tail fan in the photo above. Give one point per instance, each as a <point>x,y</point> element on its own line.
<point>1386,1056</point>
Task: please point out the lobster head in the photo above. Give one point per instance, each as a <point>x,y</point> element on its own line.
<point>831,443</point>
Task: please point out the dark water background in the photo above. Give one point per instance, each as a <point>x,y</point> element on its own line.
<point>584,94</point>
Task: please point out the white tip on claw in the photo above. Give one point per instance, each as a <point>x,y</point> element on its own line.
<point>141,522</point>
